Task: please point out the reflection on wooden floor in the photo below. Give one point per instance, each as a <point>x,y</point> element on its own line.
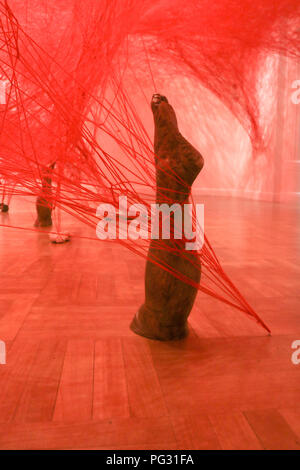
<point>77,378</point>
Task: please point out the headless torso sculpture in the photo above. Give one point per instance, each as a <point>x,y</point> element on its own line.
<point>43,202</point>
<point>168,300</point>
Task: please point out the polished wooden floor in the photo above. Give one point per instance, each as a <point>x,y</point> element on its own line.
<point>77,378</point>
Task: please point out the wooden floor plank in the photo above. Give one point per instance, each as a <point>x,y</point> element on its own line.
<point>75,321</point>
<point>14,376</point>
<point>194,432</point>
<point>236,374</point>
<point>234,432</point>
<point>144,390</point>
<point>292,417</point>
<point>13,317</point>
<point>110,384</point>
<point>38,399</point>
<point>75,394</point>
<point>132,432</point>
<point>273,430</point>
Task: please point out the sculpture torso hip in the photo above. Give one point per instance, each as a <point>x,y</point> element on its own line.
<point>168,300</point>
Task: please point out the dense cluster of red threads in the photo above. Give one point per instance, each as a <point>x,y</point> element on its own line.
<point>80,72</point>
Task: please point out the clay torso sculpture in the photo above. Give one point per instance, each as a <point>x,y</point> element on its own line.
<point>168,300</point>
<point>43,202</point>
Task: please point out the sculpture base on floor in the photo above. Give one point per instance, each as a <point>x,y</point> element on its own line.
<point>43,223</point>
<point>44,214</point>
<point>4,207</point>
<point>146,325</point>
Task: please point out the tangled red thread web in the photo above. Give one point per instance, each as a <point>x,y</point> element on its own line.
<point>79,76</point>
